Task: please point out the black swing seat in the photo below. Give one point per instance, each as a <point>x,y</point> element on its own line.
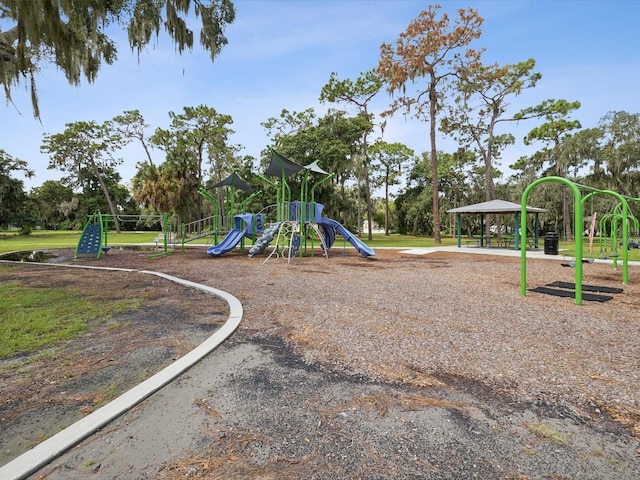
<point>573,263</point>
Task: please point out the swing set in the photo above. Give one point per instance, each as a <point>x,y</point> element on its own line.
<point>621,221</point>
<point>609,243</point>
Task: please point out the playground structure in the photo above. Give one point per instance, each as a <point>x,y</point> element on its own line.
<point>297,225</point>
<point>621,219</point>
<point>299,231</point>
<point>94,238</point>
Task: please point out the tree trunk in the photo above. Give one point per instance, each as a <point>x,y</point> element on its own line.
<point>369,207</point>
<point>367,186</point>
<point>359,210</point>
<point>105,190</point>
<point>490,193</point>
<point>433,99</point>
<point>566,215</point>
<point>386,204</point>
<point>359,171</point>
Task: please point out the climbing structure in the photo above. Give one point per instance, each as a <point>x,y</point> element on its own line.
<point>91,240</point>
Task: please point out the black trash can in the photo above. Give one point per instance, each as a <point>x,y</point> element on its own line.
<point>551,243</point>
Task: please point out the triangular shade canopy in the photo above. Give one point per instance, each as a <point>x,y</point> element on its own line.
<point>281,165</point>
<point>315,168</point>
<point>235,181</point>
<point>494,206</point>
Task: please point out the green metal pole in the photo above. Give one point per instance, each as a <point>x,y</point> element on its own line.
<point>625,231</point>
<point>216,211</point>
<point>104,226</point>
<point>103,234</point>
<point>165,228</point>
<point>578,238</point>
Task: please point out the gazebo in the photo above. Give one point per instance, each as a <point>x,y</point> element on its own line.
<point>496,207</point>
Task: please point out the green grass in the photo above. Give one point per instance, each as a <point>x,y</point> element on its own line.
<point>548,432</point>
<point>38,240</point>
<point>395,240</point>
<point>45,239</point>
<point>49,239</point>
<point>33,318</point>
<point>568,249</point>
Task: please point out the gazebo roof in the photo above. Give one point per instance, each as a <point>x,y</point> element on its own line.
<point>495,206</point>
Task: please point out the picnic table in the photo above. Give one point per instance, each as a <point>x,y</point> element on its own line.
<point>509,242</point>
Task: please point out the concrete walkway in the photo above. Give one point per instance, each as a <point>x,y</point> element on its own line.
<point>507,252</point>
<point>50,449</point>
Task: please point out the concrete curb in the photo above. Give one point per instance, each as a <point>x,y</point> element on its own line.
<point>47,451</point>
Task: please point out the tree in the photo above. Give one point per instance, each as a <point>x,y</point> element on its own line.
<point>197,135</point>
<point>12,194</point>
<point>480,106</point>
<point>460,180</point>
<point>413,204</point>
<point>151,185</point>
<point>389,158</point>
<point>557,124</point>
<point>333,140</point>
<point>55,203</point>
<point>85,152</point>
<point>429,48</point>
<point>156,188</point>
<point>9,163</point>
<point>131,126</point>
<point>580,150</point>
<point>359,93</point>
<point>72,35</point>
<point>618,166</point>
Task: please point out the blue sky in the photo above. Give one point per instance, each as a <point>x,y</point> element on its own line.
<point>282,52</point>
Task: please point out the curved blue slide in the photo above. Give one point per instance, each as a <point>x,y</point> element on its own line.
<point>362,248</point>
<point>228,243</point>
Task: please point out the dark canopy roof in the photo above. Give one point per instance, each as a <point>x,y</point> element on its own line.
<point>280,164</point>
<point>235,181</point>
<point>495,206</point>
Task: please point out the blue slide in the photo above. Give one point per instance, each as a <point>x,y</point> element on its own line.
<point>362,248</point>
<point>228,243</point>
